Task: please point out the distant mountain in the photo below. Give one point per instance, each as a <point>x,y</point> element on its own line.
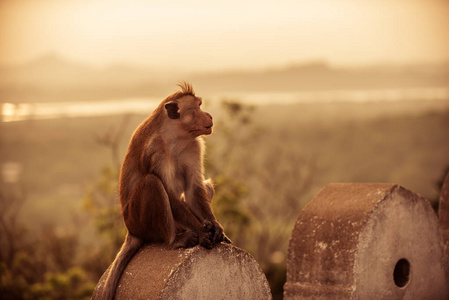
<point>53,78</point>
<point>320,76</point>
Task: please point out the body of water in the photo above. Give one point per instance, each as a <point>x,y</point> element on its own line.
<point>10,112</point>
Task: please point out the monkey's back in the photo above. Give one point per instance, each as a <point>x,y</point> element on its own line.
<point>133,168</point>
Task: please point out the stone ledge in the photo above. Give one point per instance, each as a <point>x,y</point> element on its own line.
<point>157,272</point>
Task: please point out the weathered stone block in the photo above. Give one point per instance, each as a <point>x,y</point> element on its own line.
<point>366,241</point>
<point>157,272</point>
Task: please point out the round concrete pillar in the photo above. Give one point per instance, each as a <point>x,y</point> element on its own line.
<point>366,241</point>
<point>157,272</point>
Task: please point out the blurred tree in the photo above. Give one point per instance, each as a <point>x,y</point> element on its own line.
<point>112,140</point>
<point>228,209</point>
<point>28,261</point>
<point>11,231</point>
<point>435,202</point>
<point>41,266</point>
<point>70,285</point>
<point>101,202</point>
<point>19,264</point>
<point>263,180</point>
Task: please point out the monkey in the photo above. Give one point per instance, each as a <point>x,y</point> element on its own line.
<point>163,194</point>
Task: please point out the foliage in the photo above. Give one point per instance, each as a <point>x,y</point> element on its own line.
<point>229,211</point>
<point>71,285</point>
<point>266,161</point>
<point>250,217</point>
<point>43,267</point>
<point>439,185</point>
<point>100,202</point>
<point>38,267</point>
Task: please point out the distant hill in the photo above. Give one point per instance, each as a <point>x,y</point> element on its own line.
<point>321,76</point>
<point>53,78</point>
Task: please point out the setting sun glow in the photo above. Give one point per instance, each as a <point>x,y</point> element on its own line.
<point>239,34</point>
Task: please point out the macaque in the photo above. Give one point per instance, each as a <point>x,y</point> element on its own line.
<point>163,194</point>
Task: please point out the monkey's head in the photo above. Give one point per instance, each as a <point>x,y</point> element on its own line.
<point>185,113</point>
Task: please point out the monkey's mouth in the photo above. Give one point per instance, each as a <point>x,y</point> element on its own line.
<point>199,130</point>
<point>207,130</point>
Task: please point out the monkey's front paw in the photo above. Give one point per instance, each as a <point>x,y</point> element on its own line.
<point>206,241</point>
<point>216,232</point>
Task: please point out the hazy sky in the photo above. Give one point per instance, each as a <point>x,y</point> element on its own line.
<point>199,35</point>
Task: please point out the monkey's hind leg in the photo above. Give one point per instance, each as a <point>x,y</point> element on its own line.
<point>147,214</point>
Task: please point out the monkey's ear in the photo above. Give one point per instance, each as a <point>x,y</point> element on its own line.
<point>172,110</point>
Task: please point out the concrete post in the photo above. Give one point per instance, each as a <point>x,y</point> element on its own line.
<point>157,272</point>
<point>366,241</point>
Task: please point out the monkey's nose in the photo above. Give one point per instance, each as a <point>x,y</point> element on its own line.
<point>208,114</point>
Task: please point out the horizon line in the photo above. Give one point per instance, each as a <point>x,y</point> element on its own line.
<point>306,63</point>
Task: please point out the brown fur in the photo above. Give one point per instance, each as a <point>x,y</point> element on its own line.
<point>163,194</point>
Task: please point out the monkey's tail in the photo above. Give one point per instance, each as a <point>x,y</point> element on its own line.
<point>128,250</point>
